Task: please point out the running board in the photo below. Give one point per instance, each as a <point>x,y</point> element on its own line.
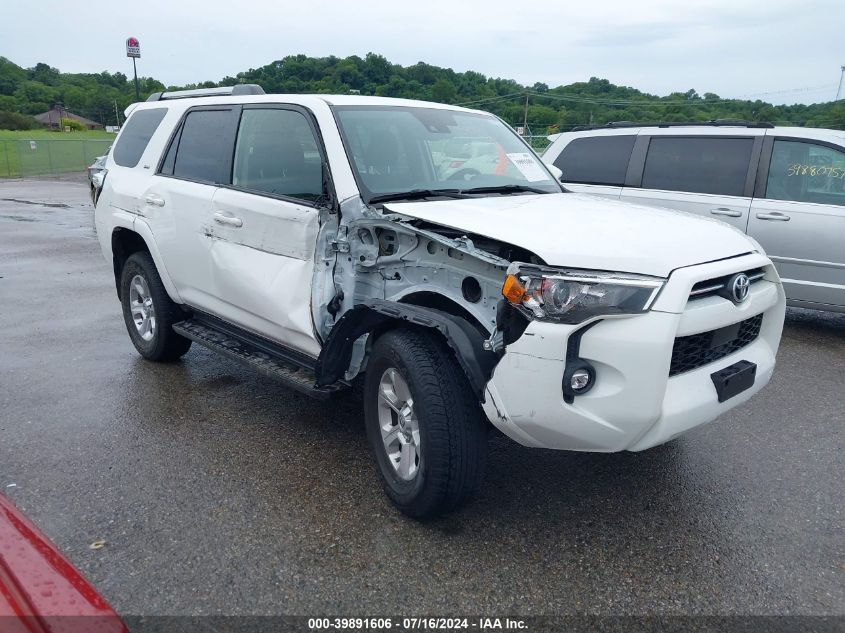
<point>257,355</point>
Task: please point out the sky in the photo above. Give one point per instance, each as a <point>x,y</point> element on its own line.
<point>781,51</point>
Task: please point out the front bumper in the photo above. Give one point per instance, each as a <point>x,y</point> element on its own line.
<point>634,403</point>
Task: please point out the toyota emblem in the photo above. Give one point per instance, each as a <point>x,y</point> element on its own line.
<point>739,287</point>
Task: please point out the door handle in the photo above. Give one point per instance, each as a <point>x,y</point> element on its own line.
<point>228,220</point>
<point>153,200</point>
<point>775,215</point>
<point>731,213</point>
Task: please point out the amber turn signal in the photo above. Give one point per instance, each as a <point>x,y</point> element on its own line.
<point>513,290</point>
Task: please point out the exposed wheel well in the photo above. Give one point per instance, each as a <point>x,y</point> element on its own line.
<point>444,304</point>
<point>378,316</point>
<point>123,243</point>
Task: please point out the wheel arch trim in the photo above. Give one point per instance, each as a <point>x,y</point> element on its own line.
<point>142,229</point>
<point>374,315</point>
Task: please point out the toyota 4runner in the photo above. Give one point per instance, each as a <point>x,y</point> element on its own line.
<point>324,238</point>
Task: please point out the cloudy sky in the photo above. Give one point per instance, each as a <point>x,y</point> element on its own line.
<point>783,51</point>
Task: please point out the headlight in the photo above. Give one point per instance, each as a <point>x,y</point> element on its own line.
<point>573,296</point>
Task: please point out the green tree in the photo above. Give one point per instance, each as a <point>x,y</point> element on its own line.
<point>443,91</point>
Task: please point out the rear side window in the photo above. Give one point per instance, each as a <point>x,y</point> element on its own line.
<point>806,172</point>
<point>136,134</point>
<point>277,153</point>
<point>698,164</point>
<point>596,160</point>
<point>203,147</point>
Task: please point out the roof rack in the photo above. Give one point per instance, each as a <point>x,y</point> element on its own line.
<point>711,123</point>
<point>236,90</point>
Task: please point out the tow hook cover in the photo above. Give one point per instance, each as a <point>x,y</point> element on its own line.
<point>733,380</point>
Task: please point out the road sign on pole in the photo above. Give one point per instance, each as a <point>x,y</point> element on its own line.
<point>133,50</point>
<point>133,47</point>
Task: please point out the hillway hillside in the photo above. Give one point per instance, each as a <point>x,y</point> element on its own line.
<point>103,96</point>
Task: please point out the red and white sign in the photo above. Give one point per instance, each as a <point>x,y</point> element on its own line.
<point>133,47</point>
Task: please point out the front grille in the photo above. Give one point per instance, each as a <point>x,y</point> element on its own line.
<point>718,286</point>
<point>697,350</point>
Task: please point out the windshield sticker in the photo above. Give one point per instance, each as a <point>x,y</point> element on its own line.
<point>527,166</point>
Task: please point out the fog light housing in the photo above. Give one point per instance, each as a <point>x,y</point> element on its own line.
<point>580,380</point>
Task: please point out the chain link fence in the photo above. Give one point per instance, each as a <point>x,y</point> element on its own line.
<point>23,158</point>
<point>539,142</point>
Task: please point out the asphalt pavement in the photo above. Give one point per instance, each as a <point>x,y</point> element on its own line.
<point>217,491</point>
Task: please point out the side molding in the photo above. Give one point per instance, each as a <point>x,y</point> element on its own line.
<point>465,341</point>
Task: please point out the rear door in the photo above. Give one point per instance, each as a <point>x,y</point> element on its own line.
<point>798,216</point>
<point>595,164</point>
<point>129,174</point>
<point>712,176</point>
<point>177,201</point>
<point>264,226</point>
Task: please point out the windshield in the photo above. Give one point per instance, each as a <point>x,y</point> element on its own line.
<point>395,150</point>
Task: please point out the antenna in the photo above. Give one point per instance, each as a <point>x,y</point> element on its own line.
<point>841,77</point>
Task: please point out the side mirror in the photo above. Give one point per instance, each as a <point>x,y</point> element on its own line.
<point>555,171</point>
<point>99,178</point>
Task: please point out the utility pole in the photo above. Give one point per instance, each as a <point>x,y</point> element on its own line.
<point>841,77</point>
<point>525,117</point>
<point>116,115</point>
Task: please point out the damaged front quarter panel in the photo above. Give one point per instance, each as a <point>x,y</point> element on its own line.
<point>371,260</point>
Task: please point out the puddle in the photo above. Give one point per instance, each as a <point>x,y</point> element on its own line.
<point>54,205</point>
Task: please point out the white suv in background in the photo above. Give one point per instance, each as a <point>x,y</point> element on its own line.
<point>783,186</point>
<point>320,238</point>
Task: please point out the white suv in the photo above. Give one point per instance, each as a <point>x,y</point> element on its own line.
<point>320,238</point>
<point>784,186</point>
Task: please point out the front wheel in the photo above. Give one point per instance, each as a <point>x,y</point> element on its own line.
<point>149,312</point>
<point>425,426</point>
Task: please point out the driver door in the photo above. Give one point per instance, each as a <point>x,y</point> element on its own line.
<point>264,227</point>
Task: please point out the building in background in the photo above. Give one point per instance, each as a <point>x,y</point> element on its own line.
<point>52,118</point>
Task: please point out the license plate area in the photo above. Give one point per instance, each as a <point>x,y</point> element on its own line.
<point>733,380</point>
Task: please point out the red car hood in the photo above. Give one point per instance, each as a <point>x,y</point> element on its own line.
<point>40,589</point>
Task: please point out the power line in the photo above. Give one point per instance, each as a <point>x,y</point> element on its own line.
<point>489,99</point>
<point>819,88</point>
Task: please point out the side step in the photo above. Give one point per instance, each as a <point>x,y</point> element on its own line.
<point>258,355</point>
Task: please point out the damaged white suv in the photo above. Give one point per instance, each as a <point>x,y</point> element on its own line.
<point>320,238</point>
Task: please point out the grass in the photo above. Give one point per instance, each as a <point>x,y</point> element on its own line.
<point>17,135</point>
<point>53,152</point>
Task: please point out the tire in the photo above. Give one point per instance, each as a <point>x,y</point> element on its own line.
<point>141,290</point>
<point>436,461</point>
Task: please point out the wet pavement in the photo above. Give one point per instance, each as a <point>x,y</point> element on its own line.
<point>219,492</point>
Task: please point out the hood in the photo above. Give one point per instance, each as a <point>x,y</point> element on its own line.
<point>580,231</point>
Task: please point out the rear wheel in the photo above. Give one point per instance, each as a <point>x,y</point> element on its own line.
<point>424,424</point>
<point>149,312</point>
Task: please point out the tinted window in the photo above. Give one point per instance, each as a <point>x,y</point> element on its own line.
<point>170,157</point>
<point>276,152</point>
<point>136,134</point>
<point>205,146</point>
<point>698,165</point>
<point>597,160</point>
<point>806,172</point>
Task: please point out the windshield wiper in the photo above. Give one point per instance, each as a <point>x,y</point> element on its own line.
<point>505,189</point>
<point>418,194</point>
